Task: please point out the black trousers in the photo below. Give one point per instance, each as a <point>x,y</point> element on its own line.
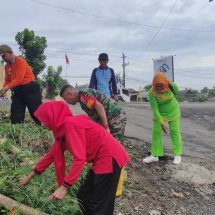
<point>23,96</point>
<point>97,194</point>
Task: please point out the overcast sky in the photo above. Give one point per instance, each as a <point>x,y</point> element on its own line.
<point>142,29</point>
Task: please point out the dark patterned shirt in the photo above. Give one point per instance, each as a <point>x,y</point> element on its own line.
<point>88,98</point>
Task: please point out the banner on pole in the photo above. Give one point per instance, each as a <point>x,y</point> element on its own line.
<point>165,65</point>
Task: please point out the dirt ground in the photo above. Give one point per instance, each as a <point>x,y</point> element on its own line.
<point>151,188</point>
<point>162,188</point>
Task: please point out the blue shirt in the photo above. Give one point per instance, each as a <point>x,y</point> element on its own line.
<point>103,80</point>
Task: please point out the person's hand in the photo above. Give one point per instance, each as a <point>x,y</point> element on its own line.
<point>164,128</point>
<point>4,90</point>
<point>58,194</point>
<point>106,126</point>
<point>90,165</point>
<point>24,181</point>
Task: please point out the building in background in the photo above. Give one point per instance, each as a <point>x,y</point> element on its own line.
<point>124,94</point>
<point>127,94</point>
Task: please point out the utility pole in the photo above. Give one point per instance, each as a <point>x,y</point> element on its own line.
<point>123,67</point>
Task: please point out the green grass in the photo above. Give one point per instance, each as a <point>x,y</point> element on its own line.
<point>33,141</point>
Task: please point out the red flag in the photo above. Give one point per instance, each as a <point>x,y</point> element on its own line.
<point>66,58</point>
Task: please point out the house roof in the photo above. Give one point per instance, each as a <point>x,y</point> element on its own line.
<point>130,90</point>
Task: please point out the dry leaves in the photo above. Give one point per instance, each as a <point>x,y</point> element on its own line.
<point>179,195</point>
<point>13,211</point>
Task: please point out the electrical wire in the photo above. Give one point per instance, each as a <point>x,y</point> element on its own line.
<point>161,27</point>
<point>118,20</point>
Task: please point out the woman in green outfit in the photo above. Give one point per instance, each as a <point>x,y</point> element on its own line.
<point>165,108</point>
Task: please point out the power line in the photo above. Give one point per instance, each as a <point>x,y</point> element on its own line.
<point>161,26</point>
<point>117,20</point>
<point>71,50</point>
<point>81,52</point>
<point>192,74</point>
<point>135,79</point>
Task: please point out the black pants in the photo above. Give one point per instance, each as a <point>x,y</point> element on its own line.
<point>23,96</point>
<point>97,194</point>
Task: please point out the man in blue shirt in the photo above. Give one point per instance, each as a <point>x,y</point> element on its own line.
<point>103,78</point>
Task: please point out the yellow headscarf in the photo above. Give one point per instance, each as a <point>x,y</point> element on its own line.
<point>160,78</point>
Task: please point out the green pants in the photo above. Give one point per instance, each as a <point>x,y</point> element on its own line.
<point>175,135</point>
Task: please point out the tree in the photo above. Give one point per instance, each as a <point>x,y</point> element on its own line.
<point>205,90</point>
<point>41,83</point>
<point>211,92</point>
<point>32,48</point>
<point>54,82</point>
<point>202,97</point>
<point>51,83</point>
<point>61,81</point>
<point>191,95</point>
<point>148,87</point>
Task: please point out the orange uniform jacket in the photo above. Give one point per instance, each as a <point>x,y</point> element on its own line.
<point>18,73</point>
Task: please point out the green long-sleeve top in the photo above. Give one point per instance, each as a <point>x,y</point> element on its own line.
<point>164,105</point>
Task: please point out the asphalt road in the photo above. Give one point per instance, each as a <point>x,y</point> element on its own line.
<point>197,126</point>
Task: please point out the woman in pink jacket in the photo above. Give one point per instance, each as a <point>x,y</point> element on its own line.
<point>86,141</point>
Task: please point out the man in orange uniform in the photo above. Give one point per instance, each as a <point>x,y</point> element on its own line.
<point>20,79</point>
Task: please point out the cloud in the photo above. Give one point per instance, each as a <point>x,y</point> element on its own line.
<point>83,29</point>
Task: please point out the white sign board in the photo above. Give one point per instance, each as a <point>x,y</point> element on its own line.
<point>165,64</point>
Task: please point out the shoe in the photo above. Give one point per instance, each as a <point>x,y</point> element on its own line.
<point>177,160</point>
<point>150,159</point>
